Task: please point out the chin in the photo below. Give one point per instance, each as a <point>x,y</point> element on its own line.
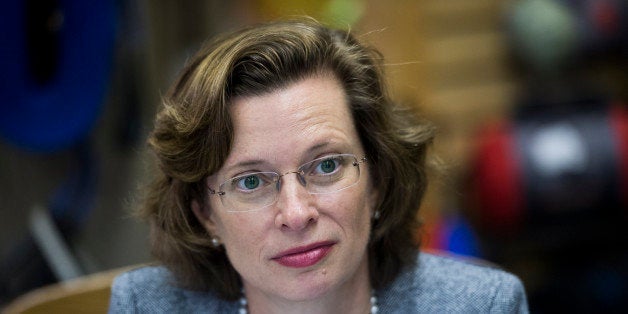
<point>317,283</point>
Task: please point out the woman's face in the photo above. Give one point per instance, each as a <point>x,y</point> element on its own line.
<point>303,245</point>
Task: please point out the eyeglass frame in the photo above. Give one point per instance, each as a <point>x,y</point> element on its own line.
<point>300,176</point>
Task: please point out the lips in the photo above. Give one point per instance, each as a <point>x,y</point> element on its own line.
<point>304,256</point>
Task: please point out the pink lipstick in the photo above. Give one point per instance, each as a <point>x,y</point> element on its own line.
<point>304,256</point>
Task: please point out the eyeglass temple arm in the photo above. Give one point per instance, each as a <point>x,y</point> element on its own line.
<point>212,191</point>
<point>362,160</point>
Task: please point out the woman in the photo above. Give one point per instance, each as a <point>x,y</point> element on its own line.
<point>289,183</point>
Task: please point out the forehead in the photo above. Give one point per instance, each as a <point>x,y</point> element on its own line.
<point>290,122</point>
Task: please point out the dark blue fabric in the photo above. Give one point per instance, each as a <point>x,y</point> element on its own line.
<point>53,115</point>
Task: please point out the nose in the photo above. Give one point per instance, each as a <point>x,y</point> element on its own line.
<point>296,206</point>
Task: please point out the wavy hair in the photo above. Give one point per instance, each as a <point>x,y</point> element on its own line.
<point>193,134</point>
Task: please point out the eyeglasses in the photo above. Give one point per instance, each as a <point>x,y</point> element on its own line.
<point>256,190</point>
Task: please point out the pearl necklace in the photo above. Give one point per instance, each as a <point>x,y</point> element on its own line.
<point>244,308</point>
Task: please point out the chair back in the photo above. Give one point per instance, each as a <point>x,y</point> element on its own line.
<point>87,294</point>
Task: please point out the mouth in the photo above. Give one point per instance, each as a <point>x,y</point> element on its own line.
<point>304,256</point>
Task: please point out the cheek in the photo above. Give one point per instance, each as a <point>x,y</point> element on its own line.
<point>225,225</point>
<point>242,233</point>
<point>353,211</point>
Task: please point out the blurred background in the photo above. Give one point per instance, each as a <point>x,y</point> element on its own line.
<point>529,97</point>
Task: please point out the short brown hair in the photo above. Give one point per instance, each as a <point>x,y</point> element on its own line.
<point>193,135</point>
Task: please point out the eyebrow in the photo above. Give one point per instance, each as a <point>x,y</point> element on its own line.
<point>318,146</point>
<point>247,163</point>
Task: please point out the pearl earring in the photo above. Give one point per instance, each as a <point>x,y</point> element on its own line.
<point>215,242</point>
<point>376,214</point>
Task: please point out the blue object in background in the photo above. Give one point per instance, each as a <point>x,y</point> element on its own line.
<point>453,233</point>
<point>56,58</point>
<point>55,72</point>
<point>462,240</point>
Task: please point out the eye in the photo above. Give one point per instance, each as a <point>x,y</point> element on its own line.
<point>249,182</point>
<point>327,166</point>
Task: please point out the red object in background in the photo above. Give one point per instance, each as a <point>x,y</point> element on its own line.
<point>619,125</point>
<point>497,180</point>
<point>513,189</point>
<point>605,17</point>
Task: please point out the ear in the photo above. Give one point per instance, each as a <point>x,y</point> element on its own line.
<point>204,216</point>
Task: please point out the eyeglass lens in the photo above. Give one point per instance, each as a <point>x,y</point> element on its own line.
<point>323,175</point>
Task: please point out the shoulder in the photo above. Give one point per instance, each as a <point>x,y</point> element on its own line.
<point>154,290</point>
<point>454,285</point>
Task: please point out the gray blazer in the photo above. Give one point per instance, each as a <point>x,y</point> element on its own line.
<point>437,285</point>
